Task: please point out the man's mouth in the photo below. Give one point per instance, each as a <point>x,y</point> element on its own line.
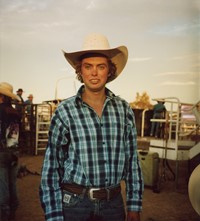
<point>94,81</point>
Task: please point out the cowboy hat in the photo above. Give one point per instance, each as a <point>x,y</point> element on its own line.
<point>7,89</point>
<point>97,43</point>
<point>20,90</point>
<point>193,189</point>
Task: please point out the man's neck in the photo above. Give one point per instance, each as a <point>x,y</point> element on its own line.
<point>94,96</point>
<point>95,100</point>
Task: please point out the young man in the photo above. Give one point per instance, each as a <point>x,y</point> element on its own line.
<point>9,133</point>
<point>92,144</point>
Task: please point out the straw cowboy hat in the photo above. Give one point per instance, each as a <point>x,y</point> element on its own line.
<point>97,43</point>
<point>194,190</point>
<point>7,89</point>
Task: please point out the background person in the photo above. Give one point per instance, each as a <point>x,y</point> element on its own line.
<point>92,144</point>
<point>28,104</point>
<point>158,113</point>
<point>19,101</point>
<point>19,94</point>
<point>29,111</point>
<point>9,134</point>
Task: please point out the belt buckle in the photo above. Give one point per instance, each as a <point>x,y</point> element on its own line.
<point>91,191</point>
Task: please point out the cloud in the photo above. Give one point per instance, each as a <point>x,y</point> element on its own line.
<point>197,65</point>
<point>179,27</point>
<point>91,5</point>
<point>189,56</point>
<point>172,83</point>
<point>139,59</point>
<point>24,6</point>
<point>175,73</point>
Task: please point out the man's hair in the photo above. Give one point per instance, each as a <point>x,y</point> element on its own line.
<point>6,99</point>
<point>111,66</point>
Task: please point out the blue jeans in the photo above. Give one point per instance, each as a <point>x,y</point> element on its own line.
<point>8,191</point>
<point>81,208</point>
<point>155,127</point>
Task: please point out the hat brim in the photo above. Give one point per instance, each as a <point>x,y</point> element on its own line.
<point>9,94</point>
<point>118,56</point>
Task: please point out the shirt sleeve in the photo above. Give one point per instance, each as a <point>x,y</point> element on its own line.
<point>50,191</point>
<point>134,179</point>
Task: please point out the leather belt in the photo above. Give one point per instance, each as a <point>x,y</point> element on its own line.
<point>93,193</point>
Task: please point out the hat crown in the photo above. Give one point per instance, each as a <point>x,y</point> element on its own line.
<point>6,86</point>
<point>96,41</point>
<point>20,90</point>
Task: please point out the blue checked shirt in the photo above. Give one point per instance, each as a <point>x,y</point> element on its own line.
<point>91,151</point>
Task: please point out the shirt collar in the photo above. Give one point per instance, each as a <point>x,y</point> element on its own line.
<point>78,99</point>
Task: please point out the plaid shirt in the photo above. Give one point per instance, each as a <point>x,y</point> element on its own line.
<point>91,151</point>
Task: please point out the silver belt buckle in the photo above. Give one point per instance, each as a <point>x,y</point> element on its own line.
<point>90,193</point>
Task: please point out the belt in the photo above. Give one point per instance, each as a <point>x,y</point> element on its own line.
<point>93,193</point>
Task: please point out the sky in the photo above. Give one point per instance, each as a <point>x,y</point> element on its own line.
<point>162,37</point>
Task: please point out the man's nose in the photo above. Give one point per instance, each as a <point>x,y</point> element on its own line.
<point>94,71</point>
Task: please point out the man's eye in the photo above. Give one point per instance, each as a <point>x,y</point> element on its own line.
<point>101,67</point>
<point>87,67</point>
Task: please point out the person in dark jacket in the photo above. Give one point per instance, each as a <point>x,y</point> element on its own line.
<point>19,101</point>
<point>9,134</point>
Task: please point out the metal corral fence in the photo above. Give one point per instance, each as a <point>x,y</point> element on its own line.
<point>34,127</point>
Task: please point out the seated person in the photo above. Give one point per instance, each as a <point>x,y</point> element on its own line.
<point>158,113</point>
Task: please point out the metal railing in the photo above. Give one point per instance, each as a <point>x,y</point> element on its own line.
<point>34,127</point>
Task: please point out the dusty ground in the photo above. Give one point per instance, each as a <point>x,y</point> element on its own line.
<point>170,204</point>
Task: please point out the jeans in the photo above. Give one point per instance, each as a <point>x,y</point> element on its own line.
<point>8,191</point>
<point>81,208</point>
<point>156,125</point>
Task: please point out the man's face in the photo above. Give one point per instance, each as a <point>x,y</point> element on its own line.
<point>94,71</point>
<point>20,93</point>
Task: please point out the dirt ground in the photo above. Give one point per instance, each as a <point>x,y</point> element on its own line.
<point>171,204</point>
